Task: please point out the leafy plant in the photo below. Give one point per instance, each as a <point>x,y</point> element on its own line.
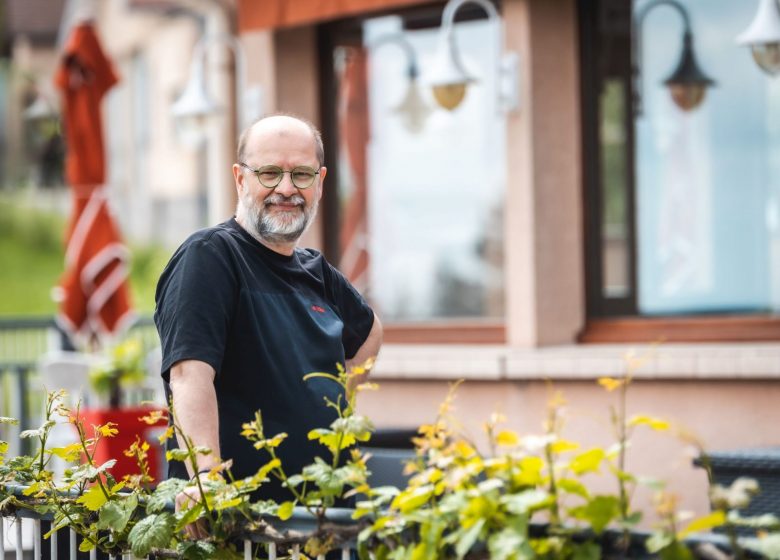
<point>124,368</point>
<point>525,497</point>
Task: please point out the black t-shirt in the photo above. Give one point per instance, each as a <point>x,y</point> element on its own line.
<point>263,321</point>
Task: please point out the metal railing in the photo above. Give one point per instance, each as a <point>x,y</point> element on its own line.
<point>23,341</point>
<point>290,533</point>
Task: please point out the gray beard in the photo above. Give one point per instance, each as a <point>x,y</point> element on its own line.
<point>264,226</point>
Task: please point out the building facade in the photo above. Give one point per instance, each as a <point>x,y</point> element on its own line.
<point>515,246</point>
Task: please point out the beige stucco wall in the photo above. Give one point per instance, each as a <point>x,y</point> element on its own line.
<point>544,244</point>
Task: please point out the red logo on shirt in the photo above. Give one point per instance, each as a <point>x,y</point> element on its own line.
<point>317,308</point>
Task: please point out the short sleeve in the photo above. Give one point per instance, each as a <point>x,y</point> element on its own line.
<point>195,300</point>
<point>357,316</point>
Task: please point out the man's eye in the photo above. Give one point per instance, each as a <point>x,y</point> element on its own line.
<point>269,176</point>
<point>303,175</point>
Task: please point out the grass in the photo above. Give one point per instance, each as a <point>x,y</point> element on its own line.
<point>31,262</point>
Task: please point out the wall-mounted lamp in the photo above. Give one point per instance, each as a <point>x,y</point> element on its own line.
<point>687,83</point>
<point>449,77</point>
<point>412,109</point>
<point>763,36</point>
<point>195,103</point>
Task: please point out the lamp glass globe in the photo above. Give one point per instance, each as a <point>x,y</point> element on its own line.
<point>767,56</point>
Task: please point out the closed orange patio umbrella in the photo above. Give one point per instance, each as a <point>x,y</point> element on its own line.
<point>93,292</point>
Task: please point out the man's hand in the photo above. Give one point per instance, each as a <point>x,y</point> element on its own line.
<point>190,497</point>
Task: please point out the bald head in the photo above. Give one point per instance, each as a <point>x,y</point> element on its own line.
<point>266,128</point>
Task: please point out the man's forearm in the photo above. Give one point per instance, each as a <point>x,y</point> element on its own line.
<point>195,409</point>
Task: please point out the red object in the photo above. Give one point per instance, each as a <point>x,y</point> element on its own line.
<point>84,76</point>
<point>355,135</point>
<point>93,292</point>
<point>129,426</point>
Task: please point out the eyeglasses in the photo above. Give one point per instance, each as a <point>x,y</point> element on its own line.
<point>271,175</point>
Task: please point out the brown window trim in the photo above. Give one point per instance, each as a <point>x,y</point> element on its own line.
<point>712,328</point>
<point>439,332</point>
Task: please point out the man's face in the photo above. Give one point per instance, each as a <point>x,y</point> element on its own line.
<point>281,214</point>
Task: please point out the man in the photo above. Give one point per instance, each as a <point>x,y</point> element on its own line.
<point>244,314</point>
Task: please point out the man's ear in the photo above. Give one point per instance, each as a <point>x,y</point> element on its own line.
<point>239,178</point>
<point>323,172</point>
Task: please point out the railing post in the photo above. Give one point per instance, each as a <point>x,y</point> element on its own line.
<point>19,549</point>
<point>54,542</point>
<point>22,387</point>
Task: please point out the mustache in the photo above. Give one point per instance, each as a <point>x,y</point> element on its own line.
<point>277,198</point>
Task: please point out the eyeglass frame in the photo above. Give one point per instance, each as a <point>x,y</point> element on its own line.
<point>256,172</point>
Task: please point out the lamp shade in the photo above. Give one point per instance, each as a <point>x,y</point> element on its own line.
<point>763,36</point>
<point>413,110</point>
<point>448,76</point>
<point>194,100</point>
<point>688,83</point>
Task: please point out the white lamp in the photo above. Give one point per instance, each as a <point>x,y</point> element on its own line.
<point>449,78</point>
<point>412,110</point>
<point>763,36</point>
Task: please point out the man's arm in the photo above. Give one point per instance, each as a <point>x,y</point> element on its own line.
<point>369,349</point>
<point>195,406</point>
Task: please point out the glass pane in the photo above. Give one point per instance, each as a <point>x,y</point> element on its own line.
<point>421,198</point>
<point>614,225</point>
<point>708,180</point>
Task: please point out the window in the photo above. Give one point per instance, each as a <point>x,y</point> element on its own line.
<point>683,208</point>
<point>419,195</point>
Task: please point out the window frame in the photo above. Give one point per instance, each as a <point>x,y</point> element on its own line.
<point>617,320</point>
<point>348,32</point>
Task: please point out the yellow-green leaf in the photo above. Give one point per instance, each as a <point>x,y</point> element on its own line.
<point>610,383</point>
<point>653,423</point>
<point>93,498</point>
<point>285,510</point>
<point>507,438</point>
<point>562,445</point>
<point>67,453</point>
<point>229,503</point>
<point>714,519</point>
<point>588,461</point>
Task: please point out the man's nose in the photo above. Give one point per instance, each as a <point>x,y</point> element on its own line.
<point>286,186</point>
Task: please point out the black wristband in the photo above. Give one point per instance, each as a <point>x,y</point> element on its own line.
<point>204,471</point>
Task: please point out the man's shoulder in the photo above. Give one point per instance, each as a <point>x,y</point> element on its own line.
<point>213,234</point>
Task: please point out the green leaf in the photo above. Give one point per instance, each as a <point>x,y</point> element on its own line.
<point>412,498</point>
<point>598,512</point>
<point>676,551</point>
<point>187,516</point>
<point>325,477</point>
<point>177,455</point>
<point>573,486</point>
<point>510,542</point>
<point>117,513</point>
<point>586,551</point>
<point>154,531</point>
<point>285,510</point>
<point>93,499</point>
<point>467,538</point>
<point>525,502</point>
<point>165,494</point>
<point>86,545</point>
<point>196,550</point>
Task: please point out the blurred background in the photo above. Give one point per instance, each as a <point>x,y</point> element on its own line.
<point>525,190</point>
